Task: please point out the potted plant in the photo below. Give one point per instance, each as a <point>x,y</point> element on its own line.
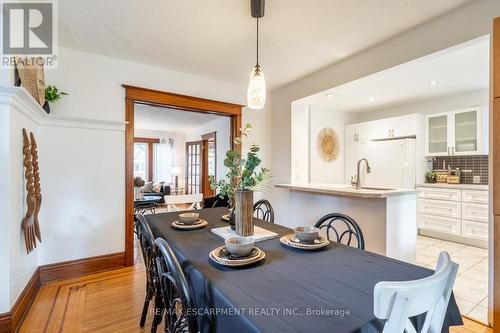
<point>138,184</point>
<point>430,176</point>
<point>52,94</point>
<point>241,181</point>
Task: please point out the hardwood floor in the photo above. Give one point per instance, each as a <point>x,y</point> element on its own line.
<point>110,302</point>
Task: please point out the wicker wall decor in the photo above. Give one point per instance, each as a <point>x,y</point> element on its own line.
<point>32,77</point>
<point>328,144</point>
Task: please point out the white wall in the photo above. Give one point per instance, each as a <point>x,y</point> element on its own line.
<point>300,143</point>
<point>222,126</point>
<point>83,166</point>
<point>180,146</point>
<point>474,19</point>
<point>321,171</point>
<point>307,165</point>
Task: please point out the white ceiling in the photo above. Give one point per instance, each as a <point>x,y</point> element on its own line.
<point>216,38</point>
<point>169,120</point>
<point>462,68</point>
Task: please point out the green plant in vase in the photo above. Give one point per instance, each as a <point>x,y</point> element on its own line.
<point>242,179</point>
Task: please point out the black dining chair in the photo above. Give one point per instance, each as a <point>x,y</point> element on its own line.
<point>177,294</point>
<point>263,210</point>
<point>146,241</point>
<point>342,228</point>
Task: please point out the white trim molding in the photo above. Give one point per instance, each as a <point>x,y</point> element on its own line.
<point>20,100</point>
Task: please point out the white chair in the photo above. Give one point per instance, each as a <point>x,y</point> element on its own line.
<point>172,200</point>
<point>398,301</point>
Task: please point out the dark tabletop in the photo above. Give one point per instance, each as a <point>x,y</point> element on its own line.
<point>330,290</point>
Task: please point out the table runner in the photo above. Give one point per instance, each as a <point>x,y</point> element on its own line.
<point>330,290</point>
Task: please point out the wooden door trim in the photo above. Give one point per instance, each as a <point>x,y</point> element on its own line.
<point>167,99</point>
<point>205,182</point>
<point>495,169</point>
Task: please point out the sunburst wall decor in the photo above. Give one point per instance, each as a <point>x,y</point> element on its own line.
<point>328,144</point>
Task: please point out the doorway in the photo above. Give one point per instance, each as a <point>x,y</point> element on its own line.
<point>137,95</point>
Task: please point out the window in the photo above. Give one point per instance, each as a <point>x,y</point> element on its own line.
<point>140,160</point>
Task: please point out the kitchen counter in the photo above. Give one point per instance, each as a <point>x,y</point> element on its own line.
<point>347,190</point>
<point>386,216</point>
<point>458,186</point>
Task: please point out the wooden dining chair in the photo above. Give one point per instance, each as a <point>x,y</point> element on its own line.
<point>397,301</point>
<point>263,210</point>
<point>194,200</point>
<point>343,229</point>
<point>146,241</point>
<point>177,294</point>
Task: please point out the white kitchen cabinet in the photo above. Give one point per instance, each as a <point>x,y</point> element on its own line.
<point>475,196</point>
<point>351,150</point>
<point>474,229</point>
<point>381,129</point>
<point>457,214</point>
<point>448,194</point>
<point>388,128</point>
<point>440,208</point>
<point>440,224</point>
<point>455,133</point>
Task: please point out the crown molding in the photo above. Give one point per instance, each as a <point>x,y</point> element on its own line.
<point>19,100</point>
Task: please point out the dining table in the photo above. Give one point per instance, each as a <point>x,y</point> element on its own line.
<point>291,290</point>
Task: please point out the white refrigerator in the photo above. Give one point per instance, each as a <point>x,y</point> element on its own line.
<point>392,162</point>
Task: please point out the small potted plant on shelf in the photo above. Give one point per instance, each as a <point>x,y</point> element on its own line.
<point>430,176</point>
<point>52,95</point>
<point>138,184</point>
<point>241,181</point>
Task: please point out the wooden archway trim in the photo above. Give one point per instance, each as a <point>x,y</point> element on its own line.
<point>162,98</point>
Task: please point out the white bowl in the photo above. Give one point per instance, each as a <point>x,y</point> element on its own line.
<point>189,218</point>
<point>306,233</point>
<point>239,246</point>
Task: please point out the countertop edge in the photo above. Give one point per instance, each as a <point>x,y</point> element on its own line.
<point>480,187</point>
<point>348,192</point>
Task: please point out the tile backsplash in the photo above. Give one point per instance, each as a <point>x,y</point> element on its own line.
<point>477,164</point>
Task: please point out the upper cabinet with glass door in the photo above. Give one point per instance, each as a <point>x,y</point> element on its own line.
<point>455,133</point>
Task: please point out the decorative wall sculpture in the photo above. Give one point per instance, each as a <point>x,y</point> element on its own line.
<point>328,144</point>
<point>30,223</point>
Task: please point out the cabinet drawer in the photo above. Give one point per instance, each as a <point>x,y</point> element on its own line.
<point>448,194</point>
<point>473,229</point>
<point>475,212</point>
<point>438,223</point>
<point>475,196</point>
<point>441,208</point>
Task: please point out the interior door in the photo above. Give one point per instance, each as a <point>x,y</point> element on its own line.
<point>209,163</point>
<point>193,166</point>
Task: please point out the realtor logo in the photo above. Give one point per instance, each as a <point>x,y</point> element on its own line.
<point>29,30</point>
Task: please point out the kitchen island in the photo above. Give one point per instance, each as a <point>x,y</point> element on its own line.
<point>386,216</point>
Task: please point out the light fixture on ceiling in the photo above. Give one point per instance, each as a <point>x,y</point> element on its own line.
<point>433,82</point>
<point>329,95</point>
<point>371,98</point>
<point>256,93</point>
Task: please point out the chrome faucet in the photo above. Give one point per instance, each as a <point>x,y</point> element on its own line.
<point>357,180</point>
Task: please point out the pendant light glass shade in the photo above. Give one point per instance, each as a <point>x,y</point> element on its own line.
<point>256,93</point>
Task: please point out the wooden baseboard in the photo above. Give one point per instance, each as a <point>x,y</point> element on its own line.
<point>10,322</point>
<point>74,268</point>
<point>5,323</point>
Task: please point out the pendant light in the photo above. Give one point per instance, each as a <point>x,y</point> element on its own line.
<point>256,93</point>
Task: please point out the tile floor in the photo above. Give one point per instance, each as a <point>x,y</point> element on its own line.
<point>471,285</point>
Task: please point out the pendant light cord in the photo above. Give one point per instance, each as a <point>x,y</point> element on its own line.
<point>257,41</point>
